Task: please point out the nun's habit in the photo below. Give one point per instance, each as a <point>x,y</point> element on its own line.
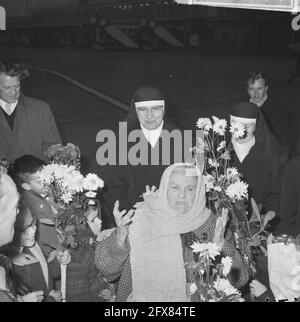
<point>261,159</point>
<point>126,183</point>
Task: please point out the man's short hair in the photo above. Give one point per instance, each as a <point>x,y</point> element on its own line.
<point>254,76</point>
<point>26,165</point>
<point>14,70</point>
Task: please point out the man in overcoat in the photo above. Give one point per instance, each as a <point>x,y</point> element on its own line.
<point>27,125</point>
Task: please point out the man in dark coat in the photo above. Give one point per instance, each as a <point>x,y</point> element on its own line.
<point>280,121</point>
<point>126,182</point>
<point>289,211</point>
<point>27,125</point>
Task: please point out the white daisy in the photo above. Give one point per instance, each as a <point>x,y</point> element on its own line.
<point>220,127</point>
<point>91,194</point>
<point>237,130</point>
<point>227,263</point>
<point>213,163</point>
<point>204,124</point>
<point>223,285</point>
<point>221,146</point>
<point>231,172</point>
<point>218,188</point>
<point>237,190</point>
<point>210,249</point>
<point>92,182</point>
<point>66,197</point>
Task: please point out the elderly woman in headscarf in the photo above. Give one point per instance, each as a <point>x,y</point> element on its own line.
<point>125,181</point>
<point>148,258</point>
<point>257,155</point>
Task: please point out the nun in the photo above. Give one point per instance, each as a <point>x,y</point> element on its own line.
<point>258,156</point>
<point>127,182</point>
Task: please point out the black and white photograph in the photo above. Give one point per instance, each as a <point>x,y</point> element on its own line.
<point>150,152</point>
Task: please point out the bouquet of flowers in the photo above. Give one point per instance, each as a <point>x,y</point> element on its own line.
<point>64,154</point>
<point>71,193</point>
<point>224,185</point>
<point>209,273</point>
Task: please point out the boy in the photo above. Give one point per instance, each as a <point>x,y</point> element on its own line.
<point>34,195</point>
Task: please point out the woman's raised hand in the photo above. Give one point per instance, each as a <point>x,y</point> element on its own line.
<point>123,220</point>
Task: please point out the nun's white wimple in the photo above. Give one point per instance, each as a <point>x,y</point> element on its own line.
<point>242,119</point>
<point>150,103</point>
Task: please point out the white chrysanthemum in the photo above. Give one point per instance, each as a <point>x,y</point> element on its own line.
<point>46,174</point>
<point>91,194</point>
<point>231,172</point>
<point>66,197</point>
<point>61,170</point>
<point>92,182</point>
<point>218,188</point>
<point>204,124</point>
<point>209,182</point>
<point>237,130</point>
<point>221,146</point>
<point>73,181</point>
<point>237,190</point>
<point>193,288</point>
<point>227,263</point>
<point>213,163</point>
<point>210,249</point>
<point>220,127</point>
<point>223,285</point>
<point>91,202</point>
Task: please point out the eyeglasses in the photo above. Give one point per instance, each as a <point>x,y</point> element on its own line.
<point>157,108</point>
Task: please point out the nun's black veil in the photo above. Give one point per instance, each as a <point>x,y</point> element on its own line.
<point>145,93</point>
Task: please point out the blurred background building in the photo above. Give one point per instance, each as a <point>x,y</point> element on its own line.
<point>142,24</point>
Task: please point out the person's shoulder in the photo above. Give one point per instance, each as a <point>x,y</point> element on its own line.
<point>35,103</point>
<point>28,196</point>
<point>273,104</point>
<point>294,163</point>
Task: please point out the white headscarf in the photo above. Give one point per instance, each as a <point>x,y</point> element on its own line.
<point>156,256</point>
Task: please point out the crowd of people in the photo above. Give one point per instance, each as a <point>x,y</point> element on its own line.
<point>141,254</point>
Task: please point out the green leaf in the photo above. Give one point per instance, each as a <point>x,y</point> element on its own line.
<point>70,228</point>
<point>268,217</point>
<point>256,212</point>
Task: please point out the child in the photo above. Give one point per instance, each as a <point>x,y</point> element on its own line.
<point>30,267</point>
<point>34,194</point>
